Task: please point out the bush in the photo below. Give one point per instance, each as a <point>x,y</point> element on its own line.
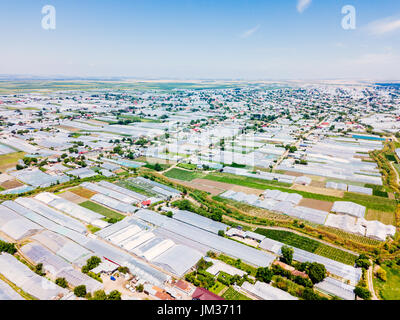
<point>316,272</point>
<point>7,247</point>
<point>264,275</point>
<point>363,293</point>
<point>80,291</point>
<point>381,274</point>
<point>114,295</point>
<point>62,282</point>
<point>363,263</point>
<point>287,254</point>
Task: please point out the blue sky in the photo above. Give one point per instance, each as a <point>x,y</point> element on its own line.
<point>186,39</point>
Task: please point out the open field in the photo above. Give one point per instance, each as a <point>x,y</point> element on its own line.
<point>317,190</point>
<point>10,160</point>
<point>384,217</point>
<point>154,160</point>
<point>309,245</point>
<point>108,213</point>
<point>215,187</point>
<point>244,181</point>
<point>82,192</point>
<point>183,175</point>
<point>389,290</point>
<point>73,197</point>
<point>316,204</point>
<point>218,287</point>
<point>10,184</point>
<point>232,294</point>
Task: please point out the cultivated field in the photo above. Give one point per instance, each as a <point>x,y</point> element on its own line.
<point>316,204</point>
<point>10,160</point>
<point>108,213</point>
<point>317,190</point>
<point>182,175</point>
<point>73,197</point>
<point>309,245</point>
<point>82,192</point>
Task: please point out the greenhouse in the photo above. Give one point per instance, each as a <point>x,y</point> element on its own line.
<point>27,280</point>
<point>113,203</point>
<point>129,193</point>
<point>52,214</point>
<point>350,208</point>
<point>266,291</point>
<point>198,221</point>
<point>7,293</point>
<point>70,208</point>
<point>109,193</point>
<point>337,288</point>
<point>210,240</point>
<point>178,259</point>
<point>16,226</point>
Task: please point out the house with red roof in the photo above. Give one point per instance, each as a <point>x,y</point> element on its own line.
<point>204,294</point>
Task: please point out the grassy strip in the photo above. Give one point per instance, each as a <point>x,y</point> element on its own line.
<point>244,181</point>
<point>102,210</point>
<point>182,175</point>
<point>389,289</point>
<point>232,294</point>
<point>238,264</point>
<point>309,245</point>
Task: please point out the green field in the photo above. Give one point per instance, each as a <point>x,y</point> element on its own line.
<point>232,294</point>
<point>102,210</point>
<point>182,175</point>
<point>218,287</point>
<point>188,166</point>
<point>10,159</point>
<point>389,290</point>
<point>309,245</point>
<point>245,181</point>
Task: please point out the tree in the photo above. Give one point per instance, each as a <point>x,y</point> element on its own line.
<point>99,295</point>
<point>381,274</point>
<point>39,269</point>
<point>362,261</point>
<point>114,295</point>
<point>316,272</point>
<point>363,293</point>
<point>287,254</point>
<point>264,274</point>
<point>221,233</point>
<point>140,288</point>
<point>62,282</point>
<point>123,270</point>
<point>80,291</point>
<point>157,167</point>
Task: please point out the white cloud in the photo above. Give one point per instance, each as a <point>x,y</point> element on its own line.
<point>383,26</point>
<point>303,5</point>
<point>250,32</point>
